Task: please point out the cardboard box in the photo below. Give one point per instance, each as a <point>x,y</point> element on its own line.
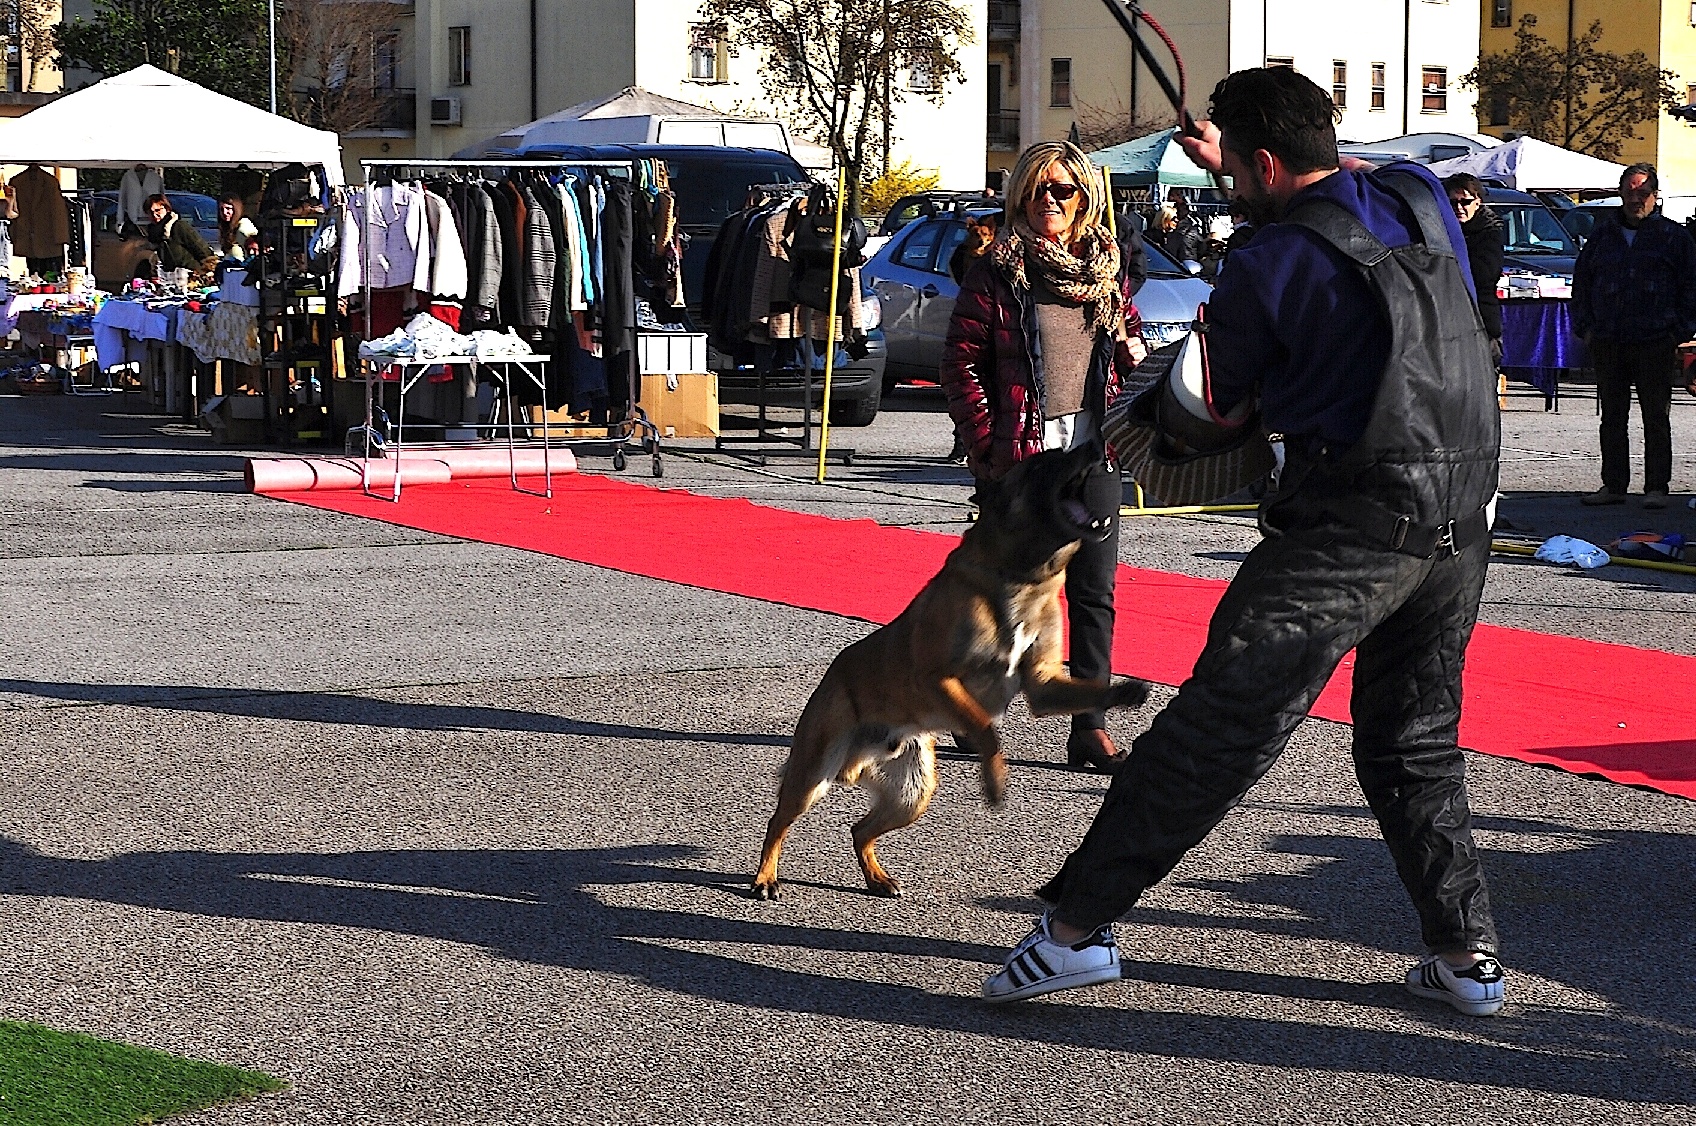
<point>683,404</point>
<point>688,410</point>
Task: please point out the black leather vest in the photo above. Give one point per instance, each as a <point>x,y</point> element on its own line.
<point>1429,456</point>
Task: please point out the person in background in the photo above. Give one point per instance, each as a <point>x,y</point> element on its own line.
<point>1043,332</point>
<point>178,244</point>
<point>1633,304</point>
<point>1484,249</point>
<point>235,230</point>
<point>1186,239</point>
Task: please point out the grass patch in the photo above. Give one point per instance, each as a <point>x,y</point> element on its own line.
<point>50,1078</point>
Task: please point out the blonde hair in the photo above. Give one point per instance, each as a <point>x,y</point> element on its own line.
<point>1034,161</point>
<point>1168,217</point>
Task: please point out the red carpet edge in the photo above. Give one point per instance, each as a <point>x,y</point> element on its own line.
<point>1588,707</point>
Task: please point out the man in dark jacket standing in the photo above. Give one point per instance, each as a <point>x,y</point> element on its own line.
<point>1484,249</point>
<point>1351,316</point>
<point>1633,304</point>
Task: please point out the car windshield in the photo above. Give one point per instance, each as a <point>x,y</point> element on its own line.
<point>200,210</point>
<point>708,190</point>
<point>1532,229</point>
<point>1160,263</point>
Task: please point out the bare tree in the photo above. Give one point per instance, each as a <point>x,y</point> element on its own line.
<point>1579,97</point>
<point>834,62</point>
<point>1101,126</point>
<point>336,61</point>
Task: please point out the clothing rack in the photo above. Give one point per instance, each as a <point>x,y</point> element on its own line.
<point>619,434</point>
<point>760,195</point>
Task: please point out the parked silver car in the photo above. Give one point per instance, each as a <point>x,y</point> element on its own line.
<point>910,276</point>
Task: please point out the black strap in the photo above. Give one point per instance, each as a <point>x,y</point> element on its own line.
<point>1399,533</point>
<point>1416,193</point>
<point>1333,223</point>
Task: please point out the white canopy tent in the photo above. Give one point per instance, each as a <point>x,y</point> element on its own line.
<point>1531,165</point>
<point>146,116</point>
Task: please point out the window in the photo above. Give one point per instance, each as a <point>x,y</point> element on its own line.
<point>1434,89</point>
<point>1340,83</point>
<point>1498,109</point>
<point>709,53</point>
<point>385,63</point>
<point>951,240</point>
<point>1501,13</point>
<point>1059,82</point>
<point>920,248</point>
<point>1377,85</point>
<point>459,56</point>
<point>921,74</point>
<point>1280,60</point>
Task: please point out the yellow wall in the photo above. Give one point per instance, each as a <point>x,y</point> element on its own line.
<point>1660,29</point>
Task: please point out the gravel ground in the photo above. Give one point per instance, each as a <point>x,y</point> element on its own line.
<point>443,832</point>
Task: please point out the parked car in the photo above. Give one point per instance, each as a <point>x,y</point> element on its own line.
<point>116,258</point>
<point>1534,239</point>
<point>910,277</point>
<point>923,205</point>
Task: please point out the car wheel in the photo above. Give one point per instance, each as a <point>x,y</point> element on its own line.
<point>890,383</point>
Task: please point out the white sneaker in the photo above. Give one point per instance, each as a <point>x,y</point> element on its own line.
<point>1478,990</point>
<point>1039,965</point>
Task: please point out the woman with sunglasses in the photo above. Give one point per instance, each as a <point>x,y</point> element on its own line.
<point>1042,333</point>
<point>1484,245</point>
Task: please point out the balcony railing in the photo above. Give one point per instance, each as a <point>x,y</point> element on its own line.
<point>1003,130</point>
<point>1003,19</point>
<point>395,109</point>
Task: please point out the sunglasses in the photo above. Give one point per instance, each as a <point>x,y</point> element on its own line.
<point>1463,201</point>
<point>1059,193</point>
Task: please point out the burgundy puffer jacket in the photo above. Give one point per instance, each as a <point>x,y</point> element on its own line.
<point>993,377</point>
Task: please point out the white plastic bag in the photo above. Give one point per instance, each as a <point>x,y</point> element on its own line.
<point>1567,549</point>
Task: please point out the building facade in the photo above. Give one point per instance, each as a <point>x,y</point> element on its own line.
<point>471,69</point>
<point>1664,30</point>
<point>1393,66</point>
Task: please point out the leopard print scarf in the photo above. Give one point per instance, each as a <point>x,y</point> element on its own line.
<point>1088,275</point>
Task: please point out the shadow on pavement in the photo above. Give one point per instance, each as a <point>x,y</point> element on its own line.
<point>362,711</point>
<point>547,907</point>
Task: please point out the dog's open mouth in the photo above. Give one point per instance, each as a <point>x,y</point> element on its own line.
<point>1087,524</point>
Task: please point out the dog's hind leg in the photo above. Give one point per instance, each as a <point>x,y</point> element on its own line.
<point>901,789</point>
<point>813,761</point>
<point>976,728</point>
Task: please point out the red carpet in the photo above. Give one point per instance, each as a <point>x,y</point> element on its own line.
<point>1584,706</point>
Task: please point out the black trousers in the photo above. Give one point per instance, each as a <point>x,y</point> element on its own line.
<point>1090,579</point>
<point>1649,368</point>
<point>1299,603</point>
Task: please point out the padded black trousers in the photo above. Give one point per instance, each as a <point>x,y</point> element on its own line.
<point>1299,603</point>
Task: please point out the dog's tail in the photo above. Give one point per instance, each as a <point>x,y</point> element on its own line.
<point>992,763</point>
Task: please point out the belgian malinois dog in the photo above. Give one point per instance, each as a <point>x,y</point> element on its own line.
<point>986,628</point>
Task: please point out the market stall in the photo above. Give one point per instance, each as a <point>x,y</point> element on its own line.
<point>175,335</point>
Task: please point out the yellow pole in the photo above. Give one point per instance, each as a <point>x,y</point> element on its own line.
<point>1185,509</point>
<point>830,329</point>
<point>1623,560</point>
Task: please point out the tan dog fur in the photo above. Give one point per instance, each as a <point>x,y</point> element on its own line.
<point>986,628</point>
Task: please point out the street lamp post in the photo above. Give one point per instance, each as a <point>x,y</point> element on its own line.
<point>273,41</point>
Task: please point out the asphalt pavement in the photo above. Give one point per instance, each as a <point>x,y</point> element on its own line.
<point>445,832</point>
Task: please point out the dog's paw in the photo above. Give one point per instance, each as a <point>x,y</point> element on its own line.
<point>765,889</point>
<point>887,888</point>
<point>1128,694</point>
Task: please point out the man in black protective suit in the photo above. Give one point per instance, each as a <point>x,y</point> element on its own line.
<point>1351,316</point>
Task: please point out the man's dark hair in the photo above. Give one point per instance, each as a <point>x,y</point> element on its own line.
<point>1646,169</point>
<point>1279,110</point>
<point>1465,181</point>
<point>153,199</point>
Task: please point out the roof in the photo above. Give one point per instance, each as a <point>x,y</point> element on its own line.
<point>1532,165</point>
<point>146,116</point>
<point>632,101</point>
<point>1154,159</point>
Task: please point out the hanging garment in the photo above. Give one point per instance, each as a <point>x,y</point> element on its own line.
<point>447,273</point>
<point>559,294</point>
<point>506,216</point>
<point>485,253</point>
<point>618,325</point>
<point>43,226</point>
<point>383,238</point>
<point>537,282</point>
<point>770,314</point>
<point>134,192</point>
<point>571,203</point>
